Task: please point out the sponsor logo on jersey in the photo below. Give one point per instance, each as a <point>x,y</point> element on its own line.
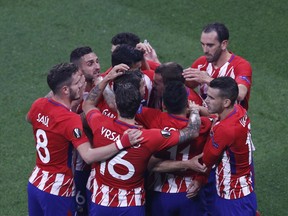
<point>77,133</point>
<point>165,133</point>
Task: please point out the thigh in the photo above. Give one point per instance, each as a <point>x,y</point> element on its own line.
<point>245,206</point>
<point>34,207</point>
<point>98,210</point>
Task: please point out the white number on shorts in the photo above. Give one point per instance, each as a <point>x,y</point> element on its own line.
<point>42,143</point>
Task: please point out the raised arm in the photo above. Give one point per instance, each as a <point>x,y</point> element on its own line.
<point>95,94</point>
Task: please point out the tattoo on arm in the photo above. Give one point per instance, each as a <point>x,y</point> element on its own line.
<point>192,129</point>
<point>94,95</point>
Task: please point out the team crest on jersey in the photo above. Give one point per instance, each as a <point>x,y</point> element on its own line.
<point>77,133</point>
<point>165,133</point>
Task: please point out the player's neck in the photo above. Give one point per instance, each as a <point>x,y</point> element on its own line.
<point>126,120</point>
<point>225,113</point>
<point>64,101</point>
<point>225,56</point>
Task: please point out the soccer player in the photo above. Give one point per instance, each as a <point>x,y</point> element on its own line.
<point>150,61</point>
<point>56,131</point>
<point>169,186</point>
<point>88,62</point>
<point>218,61</point>
<point>171,71</point>
<point>230,148</point>
<point>118,187</point>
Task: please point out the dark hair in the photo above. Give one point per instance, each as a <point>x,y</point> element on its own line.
<point>131,76</point>
<point>61,75</point>
<point>125,38</point>
<point>126,54</point>
<point>170,71</point>
<point>77,53</point>
<point>219,28</point>
<point>128,100</point>
<point>175,97</point>
<point>227,86</point>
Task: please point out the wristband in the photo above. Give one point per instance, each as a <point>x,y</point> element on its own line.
<point>124,142</point>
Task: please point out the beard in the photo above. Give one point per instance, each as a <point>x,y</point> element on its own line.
<point>73,95</point>
<point>215,56</point>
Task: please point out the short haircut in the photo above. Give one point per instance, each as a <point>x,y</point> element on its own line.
<point>131,76</point>
<point>175,97</point>
<point>78,53</point>
<point>61,75</point>
<point>126,54</point>
<point>221,30</point>
<point>227,86</point>
<point>170,71</point>
<point>125,38</point>
<point>128,100</point>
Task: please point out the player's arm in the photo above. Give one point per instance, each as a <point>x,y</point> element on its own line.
<point>192,129</point>
<point>95,94</point>
<point>158,165</point>
<point>242,92</point>
<point>90,155</point>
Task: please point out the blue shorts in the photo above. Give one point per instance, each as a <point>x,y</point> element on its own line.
<point>80,178</point>
<point>245,206</point>
<point>170,204</point>
<point>43,203</point>
<point>98,210</point>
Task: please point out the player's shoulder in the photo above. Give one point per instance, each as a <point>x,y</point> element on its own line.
<point>199,61</point>
<point>239,60</point>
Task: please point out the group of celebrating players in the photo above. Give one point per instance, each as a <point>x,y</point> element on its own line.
<point>145,137</point>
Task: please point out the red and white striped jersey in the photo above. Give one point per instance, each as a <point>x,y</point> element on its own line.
<point>120,180</point>
<point>237,68</point>
<point>178,181</point>
<point>56,131</point>
<point>230,148</point>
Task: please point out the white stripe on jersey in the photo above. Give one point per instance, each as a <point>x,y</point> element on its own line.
<point>89,184</point>
<point>105,195</point>
<point>34,174</point>
<point>172,184</point>
<point>122,199</point>
<point>57,184</point>
<point>226,175</point>
<point>43,181</point>
<point>138,196</point>
<point>245,188</point>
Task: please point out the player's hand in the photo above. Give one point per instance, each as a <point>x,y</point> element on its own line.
<point>193,189</point>
<point>192,74</point>
<point>116,71</point>
<point>194,164</point>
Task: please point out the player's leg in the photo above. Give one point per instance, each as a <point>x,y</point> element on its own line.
<point>238,207</point>
<point>80,178</point>
<point>34,207</point>
<point>98,210</point>
<point>58,205</point>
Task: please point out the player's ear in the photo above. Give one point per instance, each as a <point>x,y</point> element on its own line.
<point>227,103</point>
<point>224,45</point>
<point>65,90</point>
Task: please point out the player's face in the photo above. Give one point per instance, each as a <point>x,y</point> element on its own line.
<point>90,66</point>
<point>212,48</point>
<point>214,102</point>
<point>77,86</point>
<point>158,84</point>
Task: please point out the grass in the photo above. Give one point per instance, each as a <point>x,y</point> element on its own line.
<point>36,35</point>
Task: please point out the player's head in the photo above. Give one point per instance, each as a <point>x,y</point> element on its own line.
<point>214,41</point>
<point>124,38</point>
<point>175,97</point>
<point>135,77</point>
<point>222,94</point>
<point>126,54</point>
<point>128,100</point>
<point>170,71</point>
<point>65,79</point>
<point>87,61</point>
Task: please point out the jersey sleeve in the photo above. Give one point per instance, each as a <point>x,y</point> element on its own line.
<point>243,73</point>
<point>199,63</point>
<point>158,140</point>
<point>219,140</point>
<point>74,131</point>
